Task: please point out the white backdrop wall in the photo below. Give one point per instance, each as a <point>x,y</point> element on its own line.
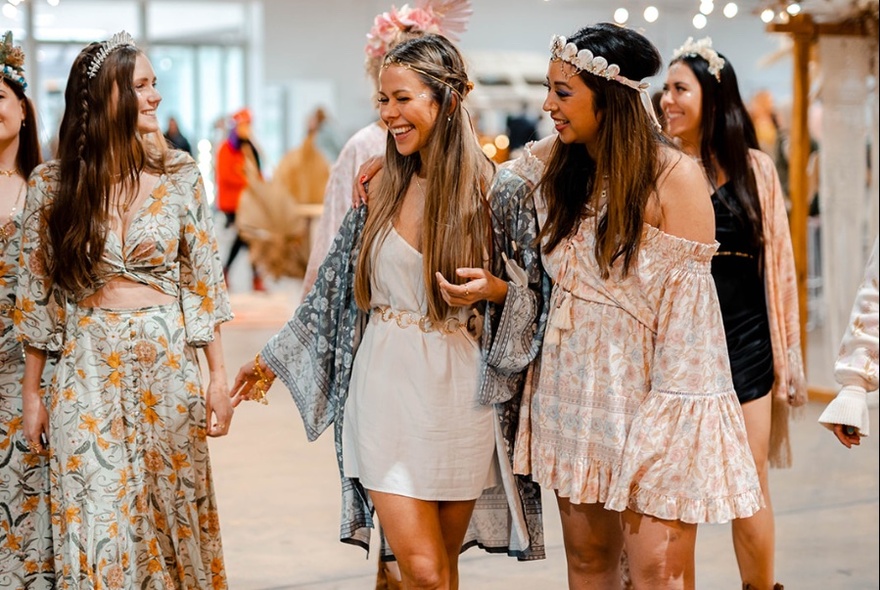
<point>307,41</point>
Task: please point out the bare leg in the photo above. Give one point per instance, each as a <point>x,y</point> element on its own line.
<point>754,537</point>
<point>660,552</point>
<point>425,537</point>
<point>593,541</point>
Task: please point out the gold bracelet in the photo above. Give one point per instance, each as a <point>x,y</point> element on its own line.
<point>261,387</point>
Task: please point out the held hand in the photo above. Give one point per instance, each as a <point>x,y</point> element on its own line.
<point>481,285</point>
<point>218,408</point>
<point>35,427</point>
<point>365,174</point>
<point>252,382</point>
<point>847,435</point>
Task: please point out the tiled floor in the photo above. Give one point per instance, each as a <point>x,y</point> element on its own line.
<point>279,500</point>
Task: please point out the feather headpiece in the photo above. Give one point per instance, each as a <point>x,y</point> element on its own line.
<point>440,17</point>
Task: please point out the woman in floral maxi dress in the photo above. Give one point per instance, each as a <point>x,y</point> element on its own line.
<point>120,276</point>
<point>25,528</point>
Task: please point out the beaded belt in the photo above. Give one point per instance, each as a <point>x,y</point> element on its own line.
<point>405,319</point>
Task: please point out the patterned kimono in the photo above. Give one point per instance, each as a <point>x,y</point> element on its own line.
<point>313,356</point>
<point>25,527</point>
<point>132,498</point>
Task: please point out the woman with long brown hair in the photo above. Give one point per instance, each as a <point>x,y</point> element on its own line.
<point>386,349</point>
<point>120,278</point>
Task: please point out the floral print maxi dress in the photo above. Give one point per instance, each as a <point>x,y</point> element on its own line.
<point>132,498</point>
<point>25,527</point>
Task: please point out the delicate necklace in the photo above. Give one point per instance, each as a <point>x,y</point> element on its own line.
<point>8,229</point>
<point>9,173</point>
<point>419,184</point>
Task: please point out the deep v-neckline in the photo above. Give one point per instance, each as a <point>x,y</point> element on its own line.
<point>405,241</point>
<point>137,210</point>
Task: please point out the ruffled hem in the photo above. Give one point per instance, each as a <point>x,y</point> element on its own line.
<point>686,458</point>
<point>581,481</point>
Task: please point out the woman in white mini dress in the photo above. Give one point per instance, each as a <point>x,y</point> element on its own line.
<point>402,385</point>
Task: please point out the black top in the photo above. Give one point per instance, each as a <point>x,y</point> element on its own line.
<point>739,281</point>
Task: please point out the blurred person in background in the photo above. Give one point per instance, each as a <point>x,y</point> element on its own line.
<point>238,161</point>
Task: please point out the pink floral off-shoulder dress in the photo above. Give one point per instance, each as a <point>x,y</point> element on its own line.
<point>633,405</point>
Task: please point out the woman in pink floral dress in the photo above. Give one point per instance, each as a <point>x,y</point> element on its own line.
<point>120,277</point>
<point>632,419</point>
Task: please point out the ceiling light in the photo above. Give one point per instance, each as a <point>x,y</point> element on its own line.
<point>730,9</point>
<point>651,14</point>
<point>707,6</point>
<point>621,15</point>
<point>793,9</point>
<point>767,15</point>
<point>699,21</point>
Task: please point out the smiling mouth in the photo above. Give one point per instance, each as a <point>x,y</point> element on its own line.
<point>401,130</point>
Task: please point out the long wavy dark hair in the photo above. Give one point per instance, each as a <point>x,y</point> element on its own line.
<point>28,156</point>
<point>628,155</point>
<point>727,133</point>
<point>98,142</point>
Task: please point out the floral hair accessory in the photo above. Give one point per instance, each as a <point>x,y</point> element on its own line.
<point>12,61</point>
<point>120,39</point>
<point>702,48</point>
<point>440,17</point>
<point>585,61</point>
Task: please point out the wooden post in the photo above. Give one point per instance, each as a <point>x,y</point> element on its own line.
<point>804,33</point>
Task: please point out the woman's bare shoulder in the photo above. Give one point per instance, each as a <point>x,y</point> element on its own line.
<point>685,206</point>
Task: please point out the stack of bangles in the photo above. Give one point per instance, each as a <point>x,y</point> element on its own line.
<point>264,382</point>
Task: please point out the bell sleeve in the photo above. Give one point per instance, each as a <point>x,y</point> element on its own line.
<point>691,411</point>
<point>856,366</point>
<point>313,353</point>
<point>39,313</point>
<point>513,331</point>
<point>203,296</point>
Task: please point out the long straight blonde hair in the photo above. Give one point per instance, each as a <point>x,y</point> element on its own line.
<point>456,228</point>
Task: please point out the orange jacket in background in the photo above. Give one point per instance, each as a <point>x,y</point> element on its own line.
<point>231,178</point>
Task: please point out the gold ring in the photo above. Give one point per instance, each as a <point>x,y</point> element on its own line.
<point>466,291</point>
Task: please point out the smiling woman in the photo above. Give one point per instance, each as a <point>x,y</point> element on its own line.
<point>120,279</point>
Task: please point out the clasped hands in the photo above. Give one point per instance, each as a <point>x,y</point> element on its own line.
<point>252,382</point>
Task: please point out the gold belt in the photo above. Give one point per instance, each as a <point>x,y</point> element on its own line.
<point>740,254</point>
<point>405,319</point>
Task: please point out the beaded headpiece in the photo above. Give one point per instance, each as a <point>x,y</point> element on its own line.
<point>120,39</point>
<point>702,48</point>
<point>585,61</point>
<point>439,17</point>
<point>12,61</point>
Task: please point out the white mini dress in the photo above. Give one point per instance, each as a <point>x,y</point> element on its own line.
<point>412,423</point>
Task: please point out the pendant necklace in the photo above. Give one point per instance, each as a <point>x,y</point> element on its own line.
<point>8,228</point>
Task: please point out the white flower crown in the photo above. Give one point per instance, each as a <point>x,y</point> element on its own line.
<point>585,61</point>
<point>120,39</point>
<point>702,48</point>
